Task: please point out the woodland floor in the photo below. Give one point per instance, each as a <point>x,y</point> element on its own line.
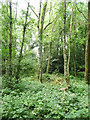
<point>30,99</point>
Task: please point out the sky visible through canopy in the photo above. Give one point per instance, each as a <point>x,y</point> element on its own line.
<point>22,4</point>
<point>35,3</point>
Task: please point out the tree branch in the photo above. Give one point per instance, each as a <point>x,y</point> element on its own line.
<point>48,25</point>
<point>34,11</point>
<point>81,13</point>
<point>39,15</point>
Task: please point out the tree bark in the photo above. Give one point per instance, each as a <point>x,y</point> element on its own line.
<point>20,55</point>
<point>87,55</point>
<point>10,42</point>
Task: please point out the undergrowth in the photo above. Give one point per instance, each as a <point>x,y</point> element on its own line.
<point>31,99</point>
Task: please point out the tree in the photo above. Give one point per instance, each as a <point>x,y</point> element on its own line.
<point>69,52</point>
<point>50,48</point>
<point>23,39</point>
<point>87,55</point>
<point>64,42</point>
<point>50,45</point>
<point>74,59</point>
<point>15,28</point>
<point>10,42</point>
<point>40,35</point>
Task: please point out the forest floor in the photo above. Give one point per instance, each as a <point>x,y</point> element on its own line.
<point>32,99</point>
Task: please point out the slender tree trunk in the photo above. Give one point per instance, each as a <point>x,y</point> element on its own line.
<point>64,42</point>
<point>50,47</point>
<point>14,41</point>
<point>50,44</point>
<point>10,42</point>
<point>87,55</point>
<point>39,47</point>
<point>57,46</point>
<point>20,55</point>
<point>40,33</point>
<point>74,58</point>
<point>15,31</point>
<point>16,10</point>
<point>25,48</point>
<point>6,44</point>
<point>69,46</point>
<point>61,46</point>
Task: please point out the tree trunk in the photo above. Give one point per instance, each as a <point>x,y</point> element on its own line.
<point>64,42</point>
<point>50,44</point>
<point>20,55</point>
<point>15,31</point>
<point>10,42</point>
<point>39,47</point>
<point>74,58</point>
<point>87,55</point>
<point>69,46</point>
<point>40,33</point>
<point>61,45</point>
<point>6,44</point>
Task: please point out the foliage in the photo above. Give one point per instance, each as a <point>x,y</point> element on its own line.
<point>29,64</point>
<point>36,100</point>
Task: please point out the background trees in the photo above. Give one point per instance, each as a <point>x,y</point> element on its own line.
<point>60,39</point>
